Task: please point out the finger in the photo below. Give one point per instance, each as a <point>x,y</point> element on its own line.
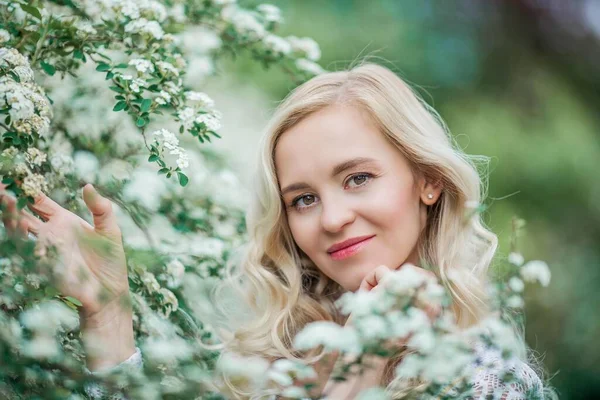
<point>34,224</point>
<point>44,206</point>
<point>374,277</point>
<point>9,212</point>
<point>105,221</point>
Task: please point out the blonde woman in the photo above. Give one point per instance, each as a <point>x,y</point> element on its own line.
<point>355,172</point>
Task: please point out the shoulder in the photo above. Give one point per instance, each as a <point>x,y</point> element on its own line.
<point>506,379</point>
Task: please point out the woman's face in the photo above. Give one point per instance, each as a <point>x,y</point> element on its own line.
<point>351,199</point>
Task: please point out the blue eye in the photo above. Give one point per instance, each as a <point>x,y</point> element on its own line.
<point>359,179</point>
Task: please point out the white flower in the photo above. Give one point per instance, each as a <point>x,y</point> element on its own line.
<point>536,271</point>
<point>84,28</point>
<point>238,368</point>
<point>86,165</point>
<point>150,282</point>
<point>136,84</point>
<point>330,335</point>
<point>41,347</point>
<point>62,164</point>
<point>167,68</point>
<point>146,187</point>
<point>4,36</point>
<point>34,184</point>
<point>186,116</point>
<point>405,281</point>
<point>211,121</point>
<point>35,156</point>
<point>270,12</point>
<point>516,284</point>
<point>422,340</point>
<point>515,301</point>
<point>516,259</point>
<point>142,66</point>
<point>175,271</point>
<point>166,350</point>
<point>309,66</point>
<point>169,300</point>
<point>201,98</point>
<point>277,44</point>
<point>410,367</point>
<point>143,26</point>
<point>244,21</point>
<point>363,303</point>
<point>372,327</point>
<point>307,46</point>
<point>49,316</point>
<point>183,161</point>
<point>405,323</point>
<point>163,98</point>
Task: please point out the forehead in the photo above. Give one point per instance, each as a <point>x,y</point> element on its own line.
<point>327,138</point>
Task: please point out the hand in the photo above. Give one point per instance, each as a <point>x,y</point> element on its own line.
<point>374,278</point>
<point>93,268</point>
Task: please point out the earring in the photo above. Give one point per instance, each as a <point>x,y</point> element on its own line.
<point>430,196</point>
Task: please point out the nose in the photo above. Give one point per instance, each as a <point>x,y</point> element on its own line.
<point>336,215</point>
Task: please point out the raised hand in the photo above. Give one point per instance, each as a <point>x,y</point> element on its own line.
<point>92,267</point>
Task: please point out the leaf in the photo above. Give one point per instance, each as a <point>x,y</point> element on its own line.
<point>48,68</point>
<point>117,89</point>
<point>121,65</point>
<point>146,103</point>
<point>153,158</point>
<point>32,11</point>
<point>119,106</point>
<point>21,203</point>
<point>109,75</point>
<point>102,67</point>
<point>183,179</point>
<point>74,301</point>
<point>78,54</point>
<point>7,180</point>
<point>163,171</point>
<point>140,122</point>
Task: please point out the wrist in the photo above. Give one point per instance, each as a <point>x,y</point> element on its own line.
<point>108,336</point>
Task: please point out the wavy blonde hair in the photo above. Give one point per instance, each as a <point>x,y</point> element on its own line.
<point>284,289</point>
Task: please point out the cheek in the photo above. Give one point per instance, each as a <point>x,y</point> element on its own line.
<point>303,233</point>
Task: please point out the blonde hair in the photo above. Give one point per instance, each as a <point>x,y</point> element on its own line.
<point>284,289</point>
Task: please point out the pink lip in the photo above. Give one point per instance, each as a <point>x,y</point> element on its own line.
<point>348,248</point>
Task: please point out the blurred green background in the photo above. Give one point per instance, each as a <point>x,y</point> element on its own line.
<point>514,80</point>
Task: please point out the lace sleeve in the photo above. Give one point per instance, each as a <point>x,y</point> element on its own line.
<point>95,391</point>
<point>492,379</point>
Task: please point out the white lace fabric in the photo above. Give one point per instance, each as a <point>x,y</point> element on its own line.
<point>95,391</point>
<point>488,380</point>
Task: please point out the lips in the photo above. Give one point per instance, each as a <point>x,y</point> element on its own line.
<point>348,247</point>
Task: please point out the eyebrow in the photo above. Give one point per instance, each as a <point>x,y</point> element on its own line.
<point>338,169</point>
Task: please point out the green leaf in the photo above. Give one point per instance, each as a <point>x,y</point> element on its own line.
<point>121,65</point>
<point>153,158</point>
<point>146,103</point>
<point>119,106</point>
<point>49,69</point>
<point>74,301</point>
<point>140,122</point>
<point>21,203</point>
<point>32,11</point>
<point>78,54</point>
<point>117,89</point>
<point>102,67</point>
<point>7,180</point>
<point>109,75</point>
<point>183,179</point>
<point>163,171</point>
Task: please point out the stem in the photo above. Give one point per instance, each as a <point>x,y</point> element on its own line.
<point>40,42</point>
<point>4,126</point>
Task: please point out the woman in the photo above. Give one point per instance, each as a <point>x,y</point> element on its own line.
<point>355,172</point>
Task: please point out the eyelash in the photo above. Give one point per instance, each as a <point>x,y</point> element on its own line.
<point>294,203</point>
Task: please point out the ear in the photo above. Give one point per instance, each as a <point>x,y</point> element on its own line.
<point>430,190</point>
